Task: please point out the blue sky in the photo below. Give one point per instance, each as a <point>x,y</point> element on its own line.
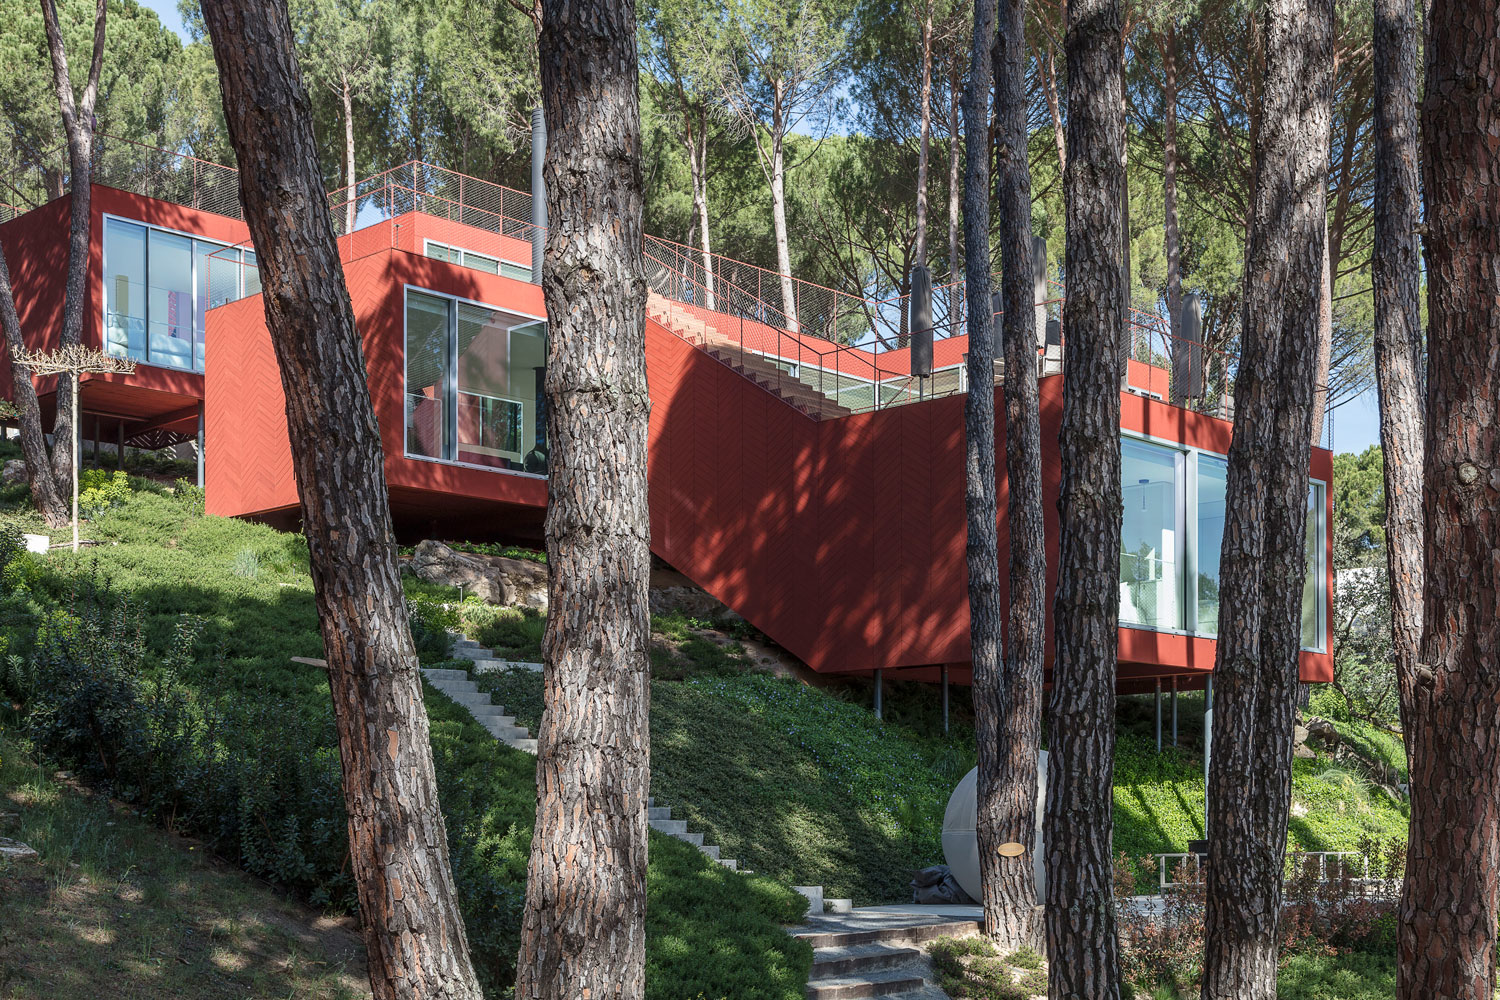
<point>166,10</point>
<point>1356,424</point>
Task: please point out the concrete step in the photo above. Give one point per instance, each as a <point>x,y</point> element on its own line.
<point>527,745</point>
<point>673,827</point>
<point>711,850</point>
<point>453,686</point>
<point>828,962</point>
<point>875,983</point>
<point>470,699</point>
<point>489,665</point>
<point>838,906</point>
<point>732,864</point>
<point>658,812</point>
<point>464,642</point>
<point>471,653</point>
<point>690,837</point>
<point>831,934</point>
<point>435,674</point>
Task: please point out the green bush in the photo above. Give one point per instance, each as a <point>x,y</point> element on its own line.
<point>100,489</point>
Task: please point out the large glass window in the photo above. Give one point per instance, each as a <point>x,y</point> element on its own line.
<point>1213,475</point>
<point>1151,591</point>
<point>125,290</point>
<point>1315,581</point>
<point>158,288</point>
<point>478,261</point>
<point>474,380</point>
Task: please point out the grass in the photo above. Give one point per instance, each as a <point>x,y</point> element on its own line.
<point>1347,975</point>
<point>712,932</point>
<point>113,899</point>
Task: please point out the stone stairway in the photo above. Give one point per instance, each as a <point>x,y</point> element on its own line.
<point>875,952</point>
<point>456,684</point>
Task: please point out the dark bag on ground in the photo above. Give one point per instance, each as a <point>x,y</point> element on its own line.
<point>936,885</point>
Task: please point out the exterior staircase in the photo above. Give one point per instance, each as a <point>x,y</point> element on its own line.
<point>457,685</point>
<point>876,953</point>
<point>693,326</point>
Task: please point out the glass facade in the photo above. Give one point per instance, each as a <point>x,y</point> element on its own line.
<point>1167,541</point>
<point>478,261</point>
<point>1151,587</point>
<point>474,380</point>
<point>158,288</point>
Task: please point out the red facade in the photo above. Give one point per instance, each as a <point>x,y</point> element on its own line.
<point>842,539</point>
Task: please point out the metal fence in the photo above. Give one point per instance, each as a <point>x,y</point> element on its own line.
<point>137,167</point>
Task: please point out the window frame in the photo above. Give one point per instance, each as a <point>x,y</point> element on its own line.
<point>106,219</point>
<point>1188,524</point>
<point>463,259</point>
<point>453,302</point>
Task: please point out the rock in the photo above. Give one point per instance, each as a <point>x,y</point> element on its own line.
<point>691,601</point>
<point>1322,732</point>
<point>495,579</point>
<point>15,849</point>
<point>1304,752</point>
<point>13,473</point>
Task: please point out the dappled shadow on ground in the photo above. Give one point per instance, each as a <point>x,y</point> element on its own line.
<point>113,906</point>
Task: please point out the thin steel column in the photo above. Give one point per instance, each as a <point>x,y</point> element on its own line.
<point>200,445</point>
<point>1208,746</point>
<point>1174,710</point>
<point>1158,715</point>
<point>879,682</point>
<point>945,699</point>
<point>120,445</point>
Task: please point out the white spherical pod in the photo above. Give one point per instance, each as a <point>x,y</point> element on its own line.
<point>961,842</point>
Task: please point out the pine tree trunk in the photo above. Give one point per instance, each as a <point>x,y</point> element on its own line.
<point>398,845</point>
<point>1082,941</point>
<point>1012,917</point>
<point>78,124</point>
<point>1397,280</point>
<point>924,146</point>
<point>982,550</point>
<point>351,209</point>
<point>955,194</point>
<point>697,150</point>
<point>48,499</point>
<point>583,932</point>
<point>778,218</point>
<point>1169,180</point>
<point>1449,905</point>
<point>1262,565</point>
<point>1054,111</point>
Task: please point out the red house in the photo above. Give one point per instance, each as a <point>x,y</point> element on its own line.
<point>814,487</point>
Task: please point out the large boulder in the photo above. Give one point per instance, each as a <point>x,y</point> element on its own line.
<point>13,472</point>
<point>501,580</point>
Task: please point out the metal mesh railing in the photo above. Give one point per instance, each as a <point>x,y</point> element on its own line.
<point>135,167</point>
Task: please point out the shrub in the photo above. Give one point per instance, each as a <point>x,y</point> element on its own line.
<point>190,495</point>
<point>100,489</point>
<point>246,564</point>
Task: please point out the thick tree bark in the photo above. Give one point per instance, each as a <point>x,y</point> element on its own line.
<point>398,846</point>
<point>955,193</point>
<point>1012,916</point>
<point>1449,904</point>
<point>1262,565</point>
<point>48,498</point>
<point>1173,239</point>
<point>992,702</point>
<point>583,933</point>
<point>925,142</point>
<point>1082,940</point>
<point>1397,279</point>
<point>78,124</point>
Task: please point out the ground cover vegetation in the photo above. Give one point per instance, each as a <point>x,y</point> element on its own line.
<point>838,798</point>
<point>157,667</point>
